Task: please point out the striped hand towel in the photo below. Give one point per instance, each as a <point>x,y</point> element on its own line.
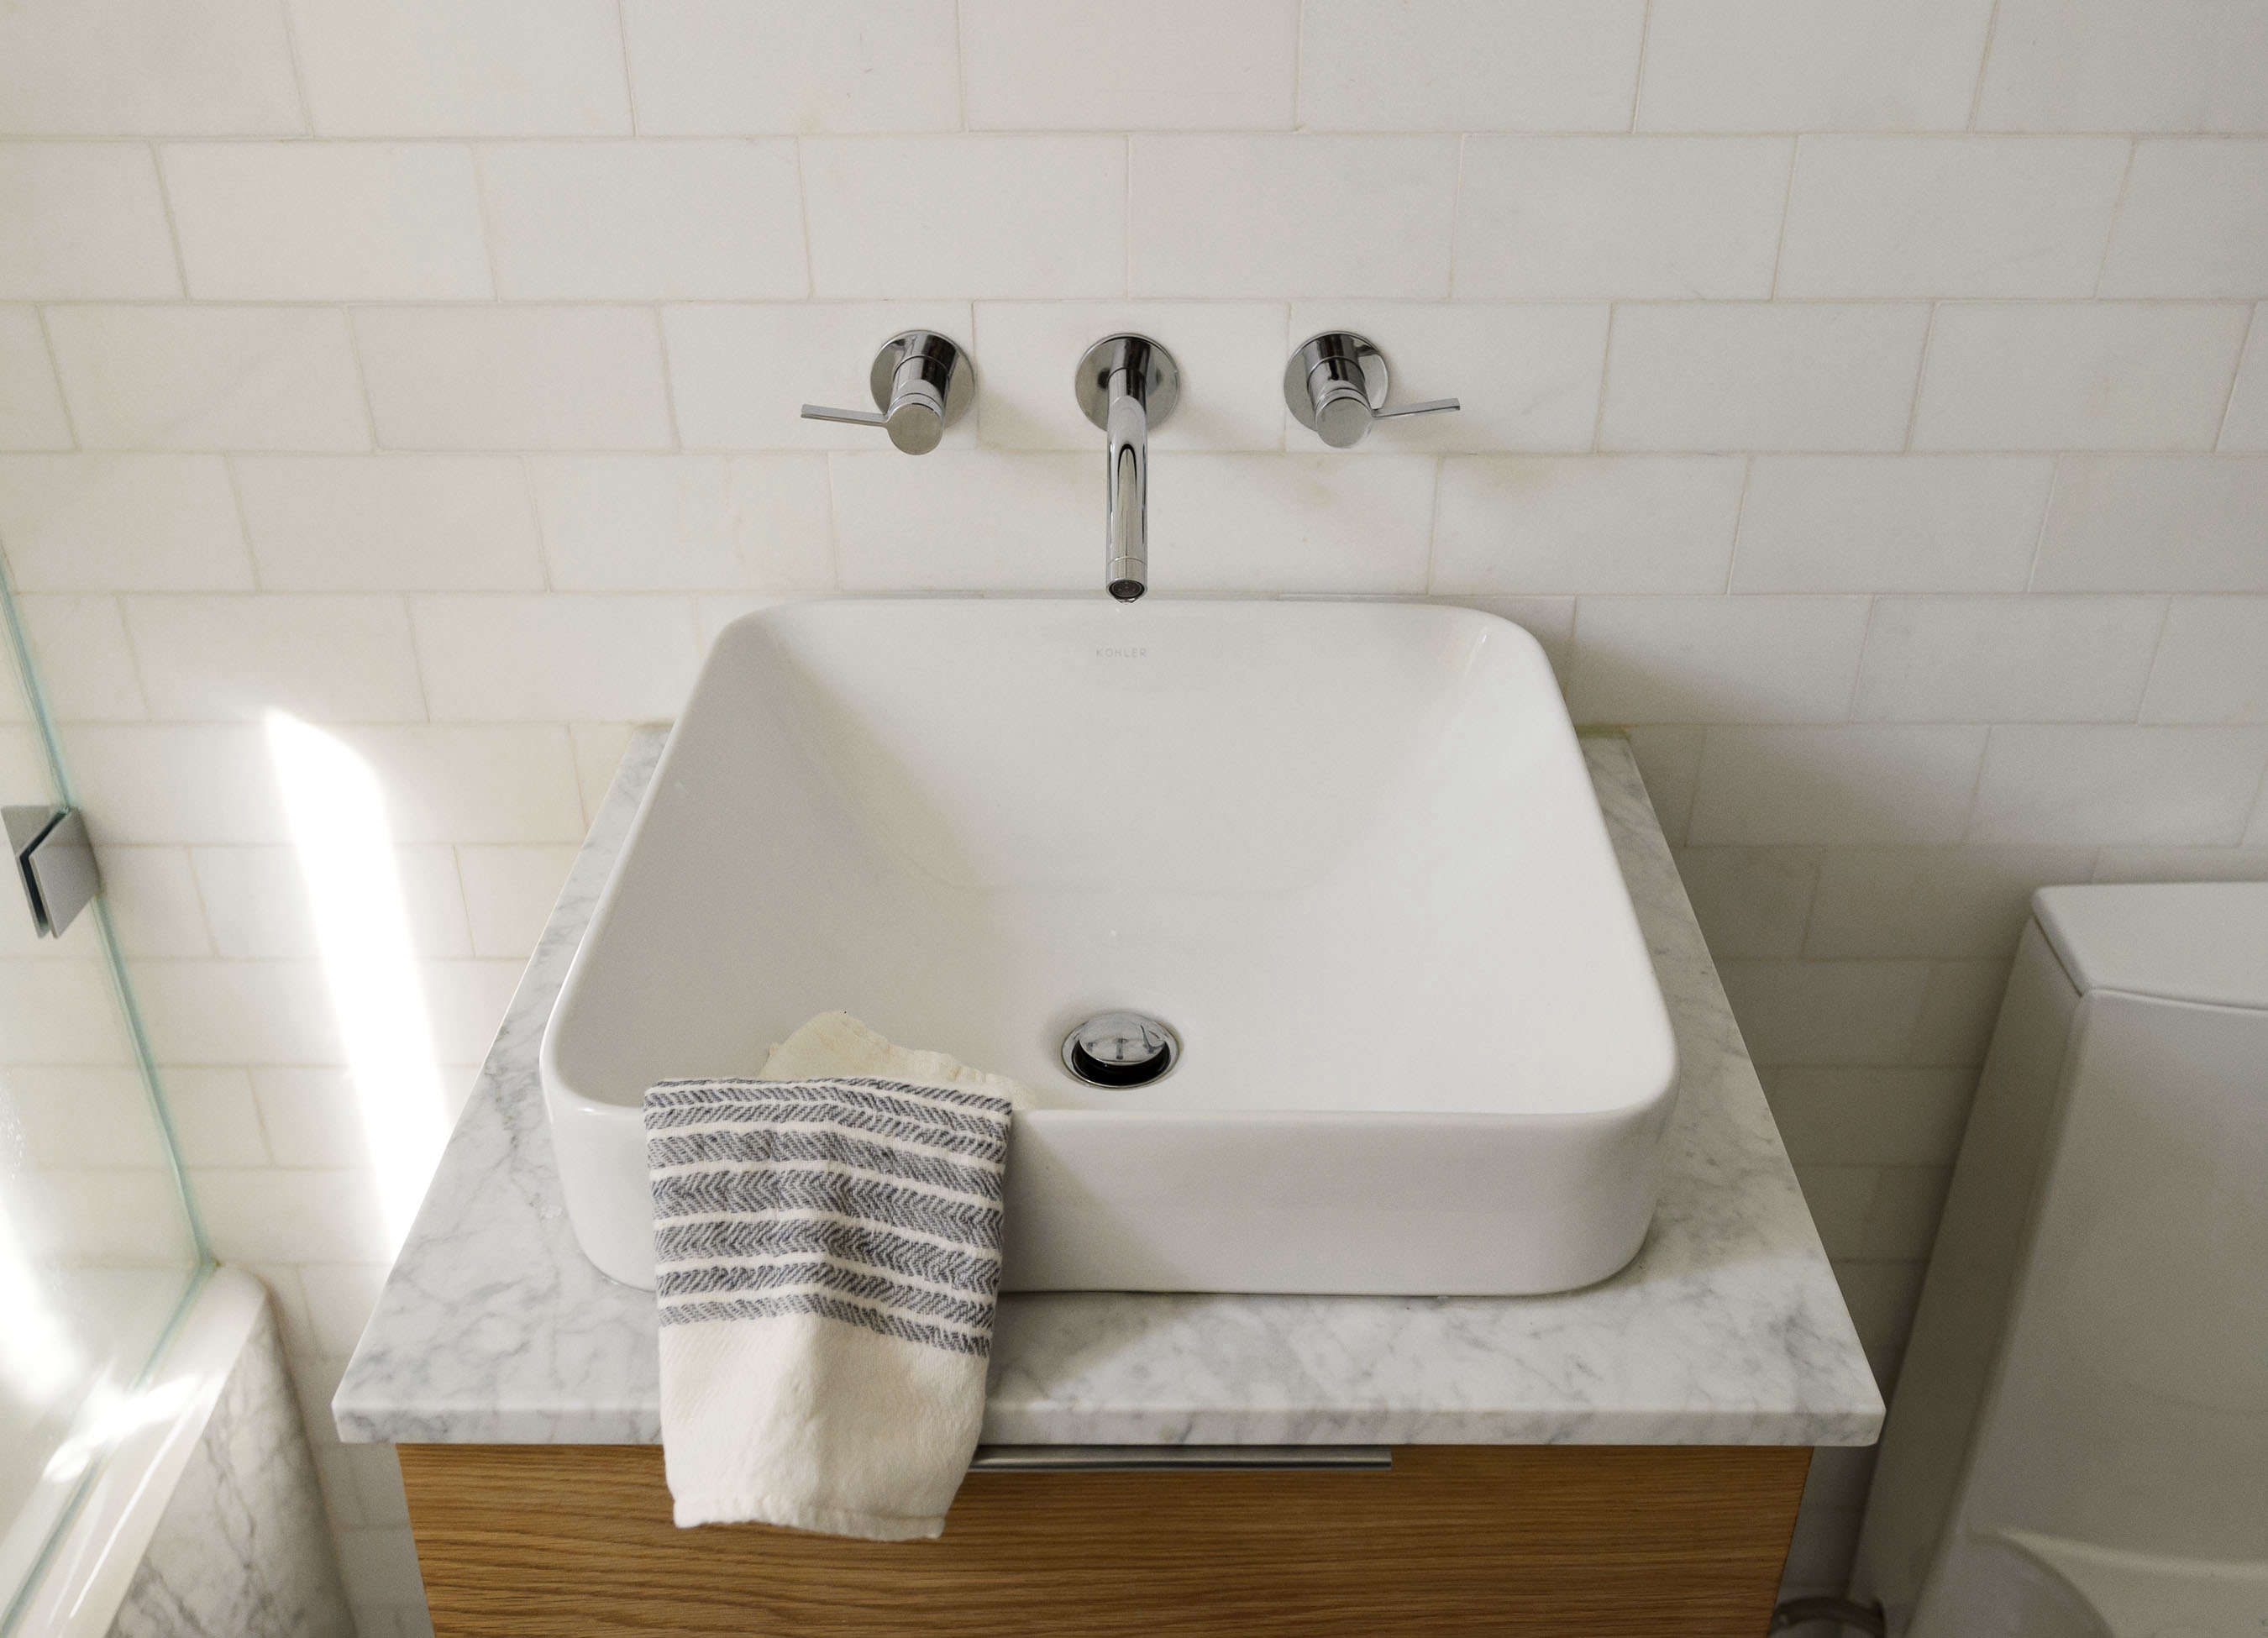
<point>829,1254</point>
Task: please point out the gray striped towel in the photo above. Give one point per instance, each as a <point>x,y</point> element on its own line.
<point>829,1254</point>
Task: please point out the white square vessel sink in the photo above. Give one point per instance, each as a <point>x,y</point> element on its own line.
<point>1348,851</point>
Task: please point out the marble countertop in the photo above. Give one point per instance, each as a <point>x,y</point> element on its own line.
<point>1728,1328</point>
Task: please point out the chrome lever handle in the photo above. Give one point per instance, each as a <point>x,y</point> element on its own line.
<point>1432,406</point>
<point>922,383</point>
<point>853,417</point>
<point>1334,384</point>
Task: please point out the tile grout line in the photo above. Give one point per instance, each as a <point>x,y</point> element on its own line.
<point>1637,79</point>
<point>1921,376</point>
<point>2253,334</point>
<point>56,371</point>
<point>1983,64</point>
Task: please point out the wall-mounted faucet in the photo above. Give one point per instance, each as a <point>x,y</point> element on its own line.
<point>1334,385</point>
<point>922,383</point>
<point>1127,385</point>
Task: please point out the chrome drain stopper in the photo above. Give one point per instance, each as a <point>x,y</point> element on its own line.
<point>1120,1050</point>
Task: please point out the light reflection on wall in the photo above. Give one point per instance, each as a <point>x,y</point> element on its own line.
<point>38,1359</point>
<point>337,814</point>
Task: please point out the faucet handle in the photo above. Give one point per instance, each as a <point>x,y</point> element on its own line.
<point>1334,384</point>
<point>922,383</point>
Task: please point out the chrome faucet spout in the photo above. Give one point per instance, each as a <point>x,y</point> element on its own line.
<point>1127,383</point>
<point>1126,575</point>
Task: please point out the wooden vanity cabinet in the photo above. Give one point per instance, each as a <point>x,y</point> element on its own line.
<point>1568,1541</point>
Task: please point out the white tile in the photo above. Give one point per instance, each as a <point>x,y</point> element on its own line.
<point>1751,902</point>
<point>1586,523</point>
<point>435,68</point>
<point>484,783</point>
<point>1231,356</point>
<point>2095,375</point>
<point>964,522</point>
<point>152,895</point>
<point>326,658</point>
<point>238,1012</point>
<point>686,522</point>
<point>95,523</point>
<point>215,1121</point>
<point>176,783</point>
<point>1932,902</point>
<point>1715,658</point>
<point>380,1565</point>
<point>31,404</point>
<point>2195,221</point>
<point>1907,1203</point>
<point>208,378</point>
<point>817,352</point>
<point>85,666</point>
<point>1890,523</point>
<point>327,221</point>
<point>1869,1116</point>
<point>1949,216</point>
<point>268,1213</point>
<point>1838,1199</point>
<point>2182,864</point>
<point>515,377</point>
<point>1959,1012</point>
<point>1435,65</point>
<point>1527,377</point>
<point>341,1297</point>
<point>1303,523</point>
<point>109,1216</point>
<point>2246,425</point>
<point>114,68</point>
<point>2213,662</point>
<point>389,522</point>
<point>1812,377</point>
<point>1668,758</point>
<point>966,215</point>
<point>2174,523</point>
<point>87,223</point>
<point>256,900</point>
<point>57,1011</point>
<point>2008,659</point>
<point>645,221</point>
<point>599,748</point>
<point>725,68</point>
<point>1163,65</point>
<point>468,1000</point>
<point>1793,65</point>
<point>1782,786</point>
<point>1570,217</point>
<point>509,893</point>
<point>2155,786</point>
<point>77,1115</point>
<point>2096,65</point>
<point>1269,216</point>
<point>1825,1012</point>
<point>552,659</point>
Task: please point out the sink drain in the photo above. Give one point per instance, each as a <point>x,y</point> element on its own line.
<point>1121,1050</point>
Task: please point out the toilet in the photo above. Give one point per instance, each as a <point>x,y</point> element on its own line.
<point>2079,1443</point>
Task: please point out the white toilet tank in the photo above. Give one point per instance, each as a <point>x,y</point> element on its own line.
<point>2079,1443</point>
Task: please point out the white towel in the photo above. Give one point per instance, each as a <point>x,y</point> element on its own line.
<point>829,1242</point>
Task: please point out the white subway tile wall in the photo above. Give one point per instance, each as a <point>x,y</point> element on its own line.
<point>1866,406</point>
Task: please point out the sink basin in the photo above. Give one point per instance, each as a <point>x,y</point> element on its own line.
<point>1348,852</point>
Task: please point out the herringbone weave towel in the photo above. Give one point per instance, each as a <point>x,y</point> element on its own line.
<point>830,1256</point>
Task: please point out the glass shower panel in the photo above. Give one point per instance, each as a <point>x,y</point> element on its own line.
<point>99,1245</point>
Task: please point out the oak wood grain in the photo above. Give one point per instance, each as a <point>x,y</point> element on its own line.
<point>1592,1541</point>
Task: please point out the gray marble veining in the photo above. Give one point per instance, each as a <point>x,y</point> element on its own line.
<point>1728,1328</point>
<point>242,1550</point>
